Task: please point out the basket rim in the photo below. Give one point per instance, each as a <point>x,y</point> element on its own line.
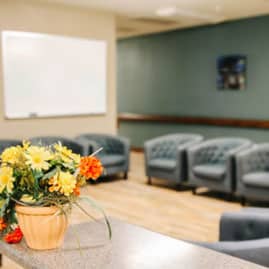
<point>36,210</point>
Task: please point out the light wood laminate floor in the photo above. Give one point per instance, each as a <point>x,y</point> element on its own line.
<point>160,207</point>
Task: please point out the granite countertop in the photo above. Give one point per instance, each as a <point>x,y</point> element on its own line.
<point>131,247</point>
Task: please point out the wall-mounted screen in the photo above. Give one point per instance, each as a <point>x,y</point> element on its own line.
<point>48,75</point>
<point>232,72</point>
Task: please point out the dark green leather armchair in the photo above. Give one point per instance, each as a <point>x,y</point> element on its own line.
<point>165,156</point>
<point>115,154</point>
<point>212,163</point>
<point>244,234</point>
<point>253,173</point>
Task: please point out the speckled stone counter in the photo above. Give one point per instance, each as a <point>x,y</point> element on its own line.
<point>131,247</point>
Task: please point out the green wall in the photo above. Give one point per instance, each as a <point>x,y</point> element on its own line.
<point>174,73</point>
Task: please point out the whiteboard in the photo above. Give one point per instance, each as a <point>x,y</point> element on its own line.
<point>48,75</point>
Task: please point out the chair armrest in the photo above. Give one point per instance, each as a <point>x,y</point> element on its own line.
<point>83,145</point>
<point>150,144</point>
<point>231,158</point>
<point>198,153</point>
<point>202,145</point>
<point>247,152</point>
<point>239,149</point>
<point>243,225</point>
<point>181,149</point>
<point>189,144</point>
<point>148,147</point>
<point>126,144</point>
<point>126,149</point>
<point>248,160</point>
<point>89,145</point>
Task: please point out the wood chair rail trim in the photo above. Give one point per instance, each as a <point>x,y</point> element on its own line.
<point>193,120</point>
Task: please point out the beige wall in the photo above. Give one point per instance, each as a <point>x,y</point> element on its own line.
<point>60,20</point>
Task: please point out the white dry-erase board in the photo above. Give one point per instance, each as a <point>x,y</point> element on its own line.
<point>49,75</point>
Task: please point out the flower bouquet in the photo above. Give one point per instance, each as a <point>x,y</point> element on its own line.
<point>38,188</point>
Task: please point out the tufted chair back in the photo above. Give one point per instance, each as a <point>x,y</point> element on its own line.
<point>49,140</point>
<point>216,151</point>
<point>5,143</point>
<point>166,147</point>
<point>110,144</point>
<point>258,160</point>
<point>247,224</point>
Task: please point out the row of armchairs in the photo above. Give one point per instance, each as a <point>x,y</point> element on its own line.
<point>232,165</point>
<point>114,156</point>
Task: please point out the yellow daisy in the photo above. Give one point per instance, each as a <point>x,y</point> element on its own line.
<point>12,155</point>
<point>76,158</point>
<point>63,182</point>
<point>25,144</point>
<point>38,157</point>
<point>66,154</point>
<point>6,179</point>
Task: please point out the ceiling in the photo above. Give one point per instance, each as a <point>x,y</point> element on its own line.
<point>138,17</point>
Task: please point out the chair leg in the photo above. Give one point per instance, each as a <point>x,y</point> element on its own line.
<point>125,176</point>
<point>1,260</point>
<point>243,201</point>
<point>93,182</point>
<point>193,190</point>
<point>149,181</point>
<point>230,197</point>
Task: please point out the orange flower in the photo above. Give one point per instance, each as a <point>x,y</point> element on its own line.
<point>90,167</point>
<point>76,191</point>
<point>14,236</point>
<point>3,225</point>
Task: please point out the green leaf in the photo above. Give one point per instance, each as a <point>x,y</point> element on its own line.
<point>37,174</point>
<point>100,209</point>
<point>3,206</point>
<point>26,181</point>
<point>35,186</point>
<point>12,216</point>
<point>2,201</point>
<point>50,174</point>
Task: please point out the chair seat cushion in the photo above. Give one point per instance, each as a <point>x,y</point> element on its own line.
<point>257,179</point>
<point>112,160</point>
<point>210,171</point>
<point>163,164</point>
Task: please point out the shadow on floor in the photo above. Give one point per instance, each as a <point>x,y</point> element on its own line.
<point>107,179</point>
<point>203,192</point>
<point>232,198</point>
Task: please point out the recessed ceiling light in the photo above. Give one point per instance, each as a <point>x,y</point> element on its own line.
<point>174,11</point>
<point>166,11</point>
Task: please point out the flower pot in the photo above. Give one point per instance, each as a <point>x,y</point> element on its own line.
<point>43,228</point>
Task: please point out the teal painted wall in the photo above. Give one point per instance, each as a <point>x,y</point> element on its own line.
<point>175,73</point>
